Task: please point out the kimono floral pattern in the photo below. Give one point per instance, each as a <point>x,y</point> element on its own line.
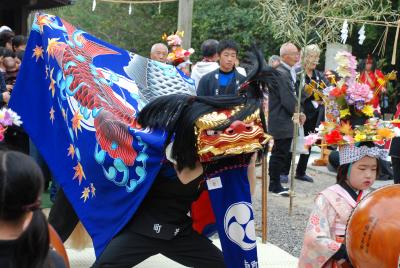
<point>332,209</point>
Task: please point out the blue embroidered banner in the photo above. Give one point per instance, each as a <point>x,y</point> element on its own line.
<point>78,98</point>
<point>231,202</point>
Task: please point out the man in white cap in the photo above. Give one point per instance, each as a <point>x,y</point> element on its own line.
<point>6,37</point>
<point>5,28</point>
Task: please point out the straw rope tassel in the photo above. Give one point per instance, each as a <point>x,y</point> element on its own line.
<point>395,43</point>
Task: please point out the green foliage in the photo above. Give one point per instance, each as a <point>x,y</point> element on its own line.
<point>237,20</point>
<point>218,19</point>
<point>303,24</point>
<point>112,23</point>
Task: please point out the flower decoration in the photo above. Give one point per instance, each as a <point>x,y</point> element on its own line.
<point>374,130</point>
<point>173,39</point>
<point>358,94</point>
<point>334,137</point>
<point>349,95</point>
<point>368,110</point>
<point>8,118</point>
<point>178,54</point>
<point>346,129</point>
<point>344,113</point>
<point>311,139</point>
<point>347,64</point>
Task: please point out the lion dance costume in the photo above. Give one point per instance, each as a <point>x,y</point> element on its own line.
<point>101,117</point>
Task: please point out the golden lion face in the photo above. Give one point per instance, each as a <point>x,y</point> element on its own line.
<point>240,137</point>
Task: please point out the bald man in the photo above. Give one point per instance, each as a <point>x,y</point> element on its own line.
<point>282,102</point>
<point>159,52</point>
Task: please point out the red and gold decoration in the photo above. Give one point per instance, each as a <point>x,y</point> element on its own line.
<point>240,137</point>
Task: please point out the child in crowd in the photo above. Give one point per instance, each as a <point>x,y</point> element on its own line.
<point>323,241</point>
<point>24,233</point>
<point>19,43</point>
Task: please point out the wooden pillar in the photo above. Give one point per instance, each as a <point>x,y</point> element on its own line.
<point>24,21</point>
<point>185,14</point>
<point>264,198</point>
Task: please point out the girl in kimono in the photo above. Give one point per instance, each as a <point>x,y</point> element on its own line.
<point>323,240</point>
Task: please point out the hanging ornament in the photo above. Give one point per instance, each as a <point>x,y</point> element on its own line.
<point>94,5</point>
<point>344,31</point>
<point>159,8</point>
<point>130,9</point>
<point>361,35</point>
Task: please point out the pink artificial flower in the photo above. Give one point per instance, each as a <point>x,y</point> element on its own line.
<point>348,139</point>
<point>311,139</point>
<point>174,40</point>
<point>358,92</point>
<point>7,119</point>
<point>2,130</point>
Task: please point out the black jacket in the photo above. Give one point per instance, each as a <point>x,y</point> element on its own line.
<point>209,84</point>
<point>3,88</point>
<point>314,115</point>
<point>166,205</point>
<point>282,102</point>
<point>395,147</point>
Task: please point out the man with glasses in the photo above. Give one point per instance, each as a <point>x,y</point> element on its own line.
<point>282,103</point>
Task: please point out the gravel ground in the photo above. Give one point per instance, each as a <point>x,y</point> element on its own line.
<point>287,231</point>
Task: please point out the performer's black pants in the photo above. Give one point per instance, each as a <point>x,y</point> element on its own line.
<point>396,169</point>
<point>279,154</point>
<point>62,216</point>
<point>129,248</point>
